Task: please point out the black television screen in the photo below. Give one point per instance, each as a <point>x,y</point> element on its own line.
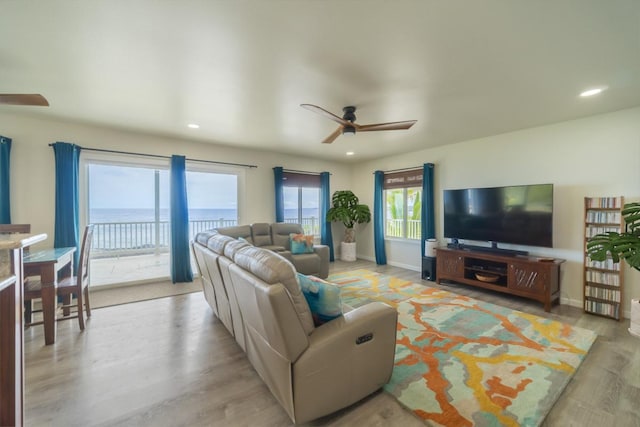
<point>520,215</point>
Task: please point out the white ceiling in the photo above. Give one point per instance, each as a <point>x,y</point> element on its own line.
<point>464,69</point>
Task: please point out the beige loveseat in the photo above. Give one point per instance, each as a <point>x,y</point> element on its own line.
<point>311,371</point>
<point>276,237</point>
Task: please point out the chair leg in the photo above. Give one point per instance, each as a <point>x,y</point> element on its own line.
<point>80,311</point>
<point>87,304</point>
<point>66,301</point>
<point>27,312</point>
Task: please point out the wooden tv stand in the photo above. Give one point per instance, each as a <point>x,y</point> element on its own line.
<point>526,276</point>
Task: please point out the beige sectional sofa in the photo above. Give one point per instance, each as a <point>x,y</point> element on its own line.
<point>276,237</point>
<point>311,371</point>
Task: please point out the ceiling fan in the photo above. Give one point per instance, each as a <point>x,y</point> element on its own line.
<point>23,99</point>
<point>348,125</point>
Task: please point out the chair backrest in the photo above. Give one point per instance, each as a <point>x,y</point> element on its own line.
<point>15,228</point>
<point>281,231</point>
<point>85,249</point>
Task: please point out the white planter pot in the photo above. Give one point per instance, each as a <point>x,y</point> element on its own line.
<point>347,251</point>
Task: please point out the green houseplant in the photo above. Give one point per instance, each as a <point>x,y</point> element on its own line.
<point>347,209</point>
<point>620,245</point>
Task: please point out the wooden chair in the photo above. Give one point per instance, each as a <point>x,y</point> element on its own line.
<point>77,285</point>
<point>15,228</point>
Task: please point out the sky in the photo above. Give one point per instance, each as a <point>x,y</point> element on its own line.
<point>125,187</point>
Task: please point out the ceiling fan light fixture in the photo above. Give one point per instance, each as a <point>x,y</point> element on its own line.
<point>348,131</point>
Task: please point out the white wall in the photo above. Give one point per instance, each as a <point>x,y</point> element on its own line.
<point>596,156</point>
<point>33,176</point>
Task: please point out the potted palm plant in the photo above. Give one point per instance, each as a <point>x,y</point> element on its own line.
<point>346,208</point>
<point>620,245</point>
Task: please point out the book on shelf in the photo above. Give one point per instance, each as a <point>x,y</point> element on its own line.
<point>604,202</point>
<point>602,293</point>
<point>607,264</point>
<point>603,308</point>
<point>603,280</point>
<point>600,217</point>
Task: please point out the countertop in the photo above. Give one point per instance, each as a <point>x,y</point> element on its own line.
<point>19,240</point>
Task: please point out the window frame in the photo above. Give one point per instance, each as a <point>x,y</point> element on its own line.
<point>301,181</point>
<point>404,180</point>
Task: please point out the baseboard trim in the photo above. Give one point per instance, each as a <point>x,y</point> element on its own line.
<point>393,263</point>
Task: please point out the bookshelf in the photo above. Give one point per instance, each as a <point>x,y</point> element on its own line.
<point>603,280</point>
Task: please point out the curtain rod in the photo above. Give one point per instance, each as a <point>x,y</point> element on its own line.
<point>158,156</point>
<point>304,172</point>
<point>403,169</point>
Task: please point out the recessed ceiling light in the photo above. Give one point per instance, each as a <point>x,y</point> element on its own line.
<point>350,153</point>
<point>193,126</point>
<point>591,92</point>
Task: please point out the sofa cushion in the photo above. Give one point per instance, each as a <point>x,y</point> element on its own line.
<point>271,268</point>
<point>217,242</point>
<point>274,248</point>
<point>204,236</point>
<point>306,263</point>
<point>323,298</point>
<point>231,248</point>
<point>280,232</point>
<point>237,231</point>
<point>261,234</point>
<point>300,243</point>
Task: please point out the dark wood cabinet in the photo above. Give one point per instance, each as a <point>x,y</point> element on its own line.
<point>526,276</point>
<point>449,264</point>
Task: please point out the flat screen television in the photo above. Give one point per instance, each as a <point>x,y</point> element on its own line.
<point>519,215</point>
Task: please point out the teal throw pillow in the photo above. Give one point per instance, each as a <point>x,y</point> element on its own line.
<point>301,244</point>
<point>323,298</point>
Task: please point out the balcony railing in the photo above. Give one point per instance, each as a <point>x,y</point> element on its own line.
<point>309,225</point>
<point>111,239</point>
<point>394,228</point>
<point>132,238</point>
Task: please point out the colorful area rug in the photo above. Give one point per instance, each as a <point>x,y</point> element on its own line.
<point>463,362</point>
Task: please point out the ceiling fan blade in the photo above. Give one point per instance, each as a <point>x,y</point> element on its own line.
<point>333,136</point>
<point>325,113</point>
<point>23,99</point>
<point>386,126</point>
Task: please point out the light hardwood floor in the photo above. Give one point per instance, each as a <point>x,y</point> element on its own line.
<point>170,362</point>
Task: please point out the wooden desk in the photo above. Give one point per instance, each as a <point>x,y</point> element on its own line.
<point>49,264</point>
<point>11,327</point>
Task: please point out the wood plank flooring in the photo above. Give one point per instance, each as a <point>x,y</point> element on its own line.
<point>170,362</point>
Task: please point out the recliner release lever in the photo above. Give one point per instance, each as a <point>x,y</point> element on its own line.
<point>364,338</point>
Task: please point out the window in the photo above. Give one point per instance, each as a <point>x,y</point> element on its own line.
<point>403,204</point>
<point>302,201</point>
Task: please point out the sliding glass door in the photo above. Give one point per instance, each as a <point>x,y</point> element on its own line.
<point>128,204</point>
<point>127,199</point>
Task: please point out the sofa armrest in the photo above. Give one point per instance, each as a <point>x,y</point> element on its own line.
<point>347,359</point>
<point>323,252</point>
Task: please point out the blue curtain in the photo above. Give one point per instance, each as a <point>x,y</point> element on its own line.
<point>180,260</point>
<point>67,229</point>
<point>5,187</point>
<point>378,218</point>
<point>279,186</point>
<point>325,203</point>
<point>428,223</point>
